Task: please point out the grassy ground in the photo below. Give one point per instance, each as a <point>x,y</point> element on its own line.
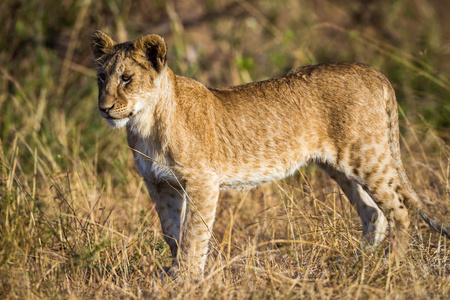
<point>75,219</point>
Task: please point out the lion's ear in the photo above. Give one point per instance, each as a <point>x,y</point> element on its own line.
<point>101,43</point>
<point>154,49</point>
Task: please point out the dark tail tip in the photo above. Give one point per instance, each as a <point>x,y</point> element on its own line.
<point>441,227</point>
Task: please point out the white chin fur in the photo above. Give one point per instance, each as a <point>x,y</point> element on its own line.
<point>117,123</point>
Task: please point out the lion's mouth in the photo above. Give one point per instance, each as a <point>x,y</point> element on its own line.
<point>109,117</point>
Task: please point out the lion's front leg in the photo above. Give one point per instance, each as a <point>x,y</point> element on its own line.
<point>170,204</point>
<point>197,227</point>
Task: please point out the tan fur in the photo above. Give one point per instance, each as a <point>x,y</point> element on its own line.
<point>190,141</point>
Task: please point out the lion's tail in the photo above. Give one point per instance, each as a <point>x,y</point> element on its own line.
<point>394,144</point>
<point>441,227</point>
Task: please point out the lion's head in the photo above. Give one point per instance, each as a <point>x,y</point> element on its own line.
<point>126,75</point>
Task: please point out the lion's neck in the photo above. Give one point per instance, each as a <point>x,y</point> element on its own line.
<point>151,119</point>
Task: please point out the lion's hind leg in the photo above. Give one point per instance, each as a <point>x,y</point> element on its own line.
<point>374,222</point>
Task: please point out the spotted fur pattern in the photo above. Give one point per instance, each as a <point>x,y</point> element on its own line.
<point>190,141</point>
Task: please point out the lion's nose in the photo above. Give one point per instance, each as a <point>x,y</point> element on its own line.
<point>106,109</point>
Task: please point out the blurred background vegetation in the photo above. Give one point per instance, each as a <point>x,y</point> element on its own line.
<point>46,63</point>
<point>59,161</point>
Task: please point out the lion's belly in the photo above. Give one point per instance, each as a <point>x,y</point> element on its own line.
<point>248,178</point>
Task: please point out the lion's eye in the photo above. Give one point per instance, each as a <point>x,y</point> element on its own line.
<point>125,78</point>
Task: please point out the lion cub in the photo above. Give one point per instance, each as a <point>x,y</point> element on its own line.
<point>190,141</point>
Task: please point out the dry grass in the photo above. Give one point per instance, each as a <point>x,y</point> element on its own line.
<point>75,219</point>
